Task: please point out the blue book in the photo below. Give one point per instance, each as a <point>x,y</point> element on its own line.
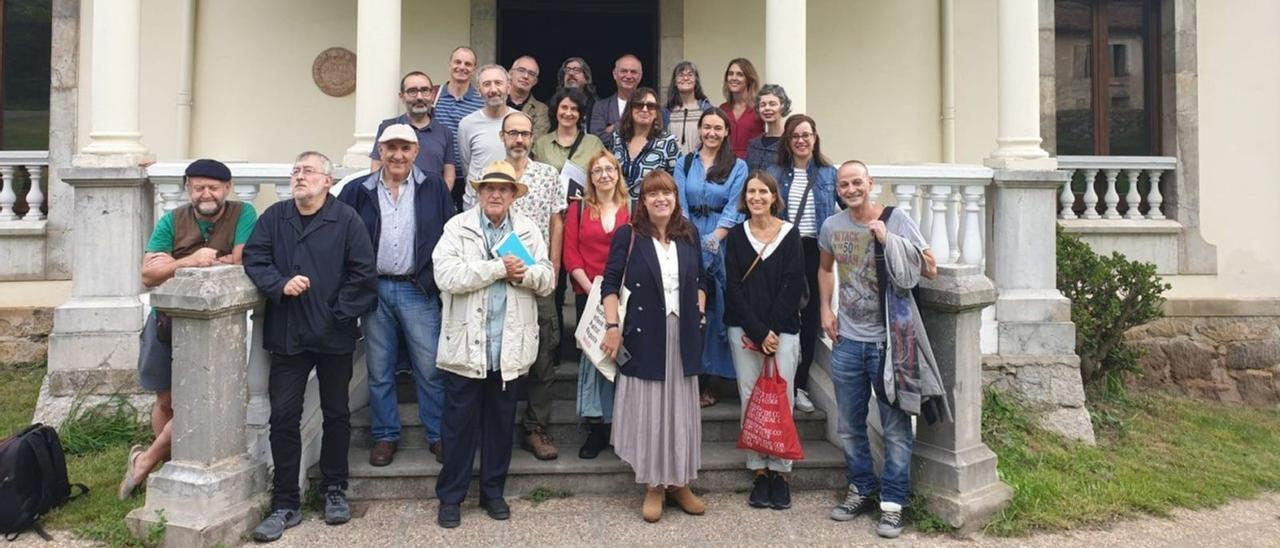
<point>511,245</point>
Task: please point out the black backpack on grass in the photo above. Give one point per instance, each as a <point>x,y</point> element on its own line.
<point>33,479</point>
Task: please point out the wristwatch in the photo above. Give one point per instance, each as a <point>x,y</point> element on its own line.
<point>609,326</point>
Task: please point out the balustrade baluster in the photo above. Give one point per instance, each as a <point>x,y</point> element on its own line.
<point>35,196</point>
<point>971,239</point>
<point>1132,199</point>
<point>282,191</point>
<point>246,192</point>
<point>905,194</point>
<point>8,196</point>
<point>939,240</point>
<point>953,222</point>
<point>1068,199</point>
<point>1090,195</point>
<point>1112,200</point>
<point>1154,198</point>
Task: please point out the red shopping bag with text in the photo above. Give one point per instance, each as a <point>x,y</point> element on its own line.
<point>767,426</point>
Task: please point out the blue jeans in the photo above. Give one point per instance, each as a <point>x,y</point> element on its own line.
<point>403,311</point>
<point>855,367</point>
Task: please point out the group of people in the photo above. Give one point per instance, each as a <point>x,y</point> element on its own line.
<point>722,225</point>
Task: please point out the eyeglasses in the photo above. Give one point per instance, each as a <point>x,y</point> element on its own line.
<point>573,69</point>
<point>610,170</point>
<point>521,134</point>
<point>305,171</point>
<point>686,74</point>
<point>415,92</point>
<point>647,105</point>
<point>526,72</point>
<point>802,136</point>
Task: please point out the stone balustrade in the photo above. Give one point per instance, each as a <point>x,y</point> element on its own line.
<point>22,192</point>
<point>248,180</point>
<point>1104,178</point>
<point>947,201</point>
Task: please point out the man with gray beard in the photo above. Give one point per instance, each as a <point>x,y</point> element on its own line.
<point>435,141</point>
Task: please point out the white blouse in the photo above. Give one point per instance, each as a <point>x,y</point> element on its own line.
<point>669,264</point>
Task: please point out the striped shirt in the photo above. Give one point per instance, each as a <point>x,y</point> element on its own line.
<point>809,217</point>
<point>450,110</point>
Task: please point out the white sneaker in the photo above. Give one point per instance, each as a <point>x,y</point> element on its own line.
<point>802,401</point>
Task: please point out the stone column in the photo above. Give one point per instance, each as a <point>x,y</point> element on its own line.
<point>951,466</point>
<point>377,74</point>
<point>114,139</point>
<point>784,48</point>
<point>93,348</point>
<point>211,492</point>
<point>1018,88</point>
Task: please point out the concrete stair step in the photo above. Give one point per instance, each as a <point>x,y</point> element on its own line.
<point>413,473</point>
<point>719,424</point>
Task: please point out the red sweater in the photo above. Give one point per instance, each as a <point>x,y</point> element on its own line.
<point>743,129</point>
<point>586,244</point>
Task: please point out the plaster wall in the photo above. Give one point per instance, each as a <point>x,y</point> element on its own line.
<point>716,31</point>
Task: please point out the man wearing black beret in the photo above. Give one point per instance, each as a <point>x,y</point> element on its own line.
<point>209,230</point>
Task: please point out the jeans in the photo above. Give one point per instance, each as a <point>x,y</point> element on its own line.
<point>403,311</point>
<point>286,384</point>
<point>855,368</point>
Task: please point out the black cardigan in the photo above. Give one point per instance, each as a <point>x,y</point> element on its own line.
<point>769,300</point>
<point>644,332</point>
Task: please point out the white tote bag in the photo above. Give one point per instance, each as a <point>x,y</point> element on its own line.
<point>591,329</point>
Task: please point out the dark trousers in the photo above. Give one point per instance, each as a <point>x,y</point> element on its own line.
<point>286,385</point>
<point>809,314</point>
<point>477,412</point>
<point>542,374</point>
<point>459,187</point>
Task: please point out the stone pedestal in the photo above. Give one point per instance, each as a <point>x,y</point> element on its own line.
<point>212,491</point>
<point>93,349</point>
<point>951,466</point>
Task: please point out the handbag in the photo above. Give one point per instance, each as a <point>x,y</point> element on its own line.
<point>591,327</point>
<point>767,425</point>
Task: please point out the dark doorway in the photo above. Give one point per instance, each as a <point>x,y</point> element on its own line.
<point>599,31</point>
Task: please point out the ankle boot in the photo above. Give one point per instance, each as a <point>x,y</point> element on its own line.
<point>652,509</point>
<point>597,440</point>
<point>686,500</point>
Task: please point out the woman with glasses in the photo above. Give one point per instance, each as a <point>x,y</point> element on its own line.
<point>710,181</point>
<point>587,233</point>
<point>640,143</point>
<point>741,82</point>
<point>807,183</point>
<point>773,106</point>
<point>685,105</point>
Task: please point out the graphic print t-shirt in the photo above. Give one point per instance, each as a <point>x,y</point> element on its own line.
<point>852,245</point>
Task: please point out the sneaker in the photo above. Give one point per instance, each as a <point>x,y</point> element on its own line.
<point>802,401</point>
<point>336,509</point>
<point>891,523</point>
<point>272,528</point>
<point>759,497</point>
<point>854,505</point>
<point>779,492</point>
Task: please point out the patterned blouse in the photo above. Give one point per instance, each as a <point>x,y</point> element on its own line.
<point>657,153</point>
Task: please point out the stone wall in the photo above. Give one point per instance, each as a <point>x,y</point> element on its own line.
<point>1231,359</point>
<point>24,334</point>
<point>1050,387</point>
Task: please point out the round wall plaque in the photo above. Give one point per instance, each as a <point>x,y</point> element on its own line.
<point>334,72</point>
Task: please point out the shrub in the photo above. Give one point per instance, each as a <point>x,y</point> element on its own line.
<point>1109,295</point>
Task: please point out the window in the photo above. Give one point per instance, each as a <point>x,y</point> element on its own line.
<point>1103,112</point>
<point>24,74</point>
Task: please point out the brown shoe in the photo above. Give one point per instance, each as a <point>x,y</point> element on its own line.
<point>652,509</point>
<point>383,453</point>
<point>686,500</point>
<point>437,449</point>
<point>539,442</point>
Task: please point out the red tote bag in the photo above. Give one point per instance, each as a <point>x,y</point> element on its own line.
<point>767,426</point>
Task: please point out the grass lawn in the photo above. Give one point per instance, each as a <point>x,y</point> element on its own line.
<point>1155,453</point>
<point>99,515</point>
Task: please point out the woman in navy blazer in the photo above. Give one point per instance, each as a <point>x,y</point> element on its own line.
<point>657,426</point>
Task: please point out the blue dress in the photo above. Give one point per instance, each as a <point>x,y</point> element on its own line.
<point>711,205</point>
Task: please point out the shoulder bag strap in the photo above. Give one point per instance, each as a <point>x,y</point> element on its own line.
<point>574,147</point>
<point>804,198</point>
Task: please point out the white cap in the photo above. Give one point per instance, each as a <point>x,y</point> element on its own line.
<point>398,132</point>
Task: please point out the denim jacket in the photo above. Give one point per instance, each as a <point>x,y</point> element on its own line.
<point>822,187</point>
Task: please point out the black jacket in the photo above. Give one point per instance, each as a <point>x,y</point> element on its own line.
<point>644,333</point>
<point>335,254</point>
<point>769,300</point>
<point>432,207</point>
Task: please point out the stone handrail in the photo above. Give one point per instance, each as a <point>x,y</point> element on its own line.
<point>1127,169</point>
<point>947,201</point>
<point>12,163</point>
